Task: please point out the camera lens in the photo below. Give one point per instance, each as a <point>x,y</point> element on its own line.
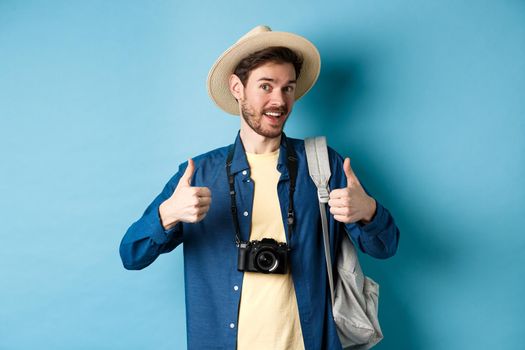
<point>266,261</point>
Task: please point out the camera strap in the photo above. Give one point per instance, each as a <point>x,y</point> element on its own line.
<point>291,160</point>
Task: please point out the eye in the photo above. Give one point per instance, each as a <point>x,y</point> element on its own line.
<point>289,89</point>
<point>266,87</point>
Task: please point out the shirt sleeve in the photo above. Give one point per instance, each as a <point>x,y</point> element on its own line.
<point>146,239</point>
<point>378,238</point>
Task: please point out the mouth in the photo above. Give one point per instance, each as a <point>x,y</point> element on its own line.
<point>274,115</point>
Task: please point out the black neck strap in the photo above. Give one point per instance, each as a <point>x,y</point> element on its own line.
<point>291,160</point>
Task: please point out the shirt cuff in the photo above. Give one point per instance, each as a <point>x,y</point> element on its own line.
<point>159,234</point>
<point>378,223</point>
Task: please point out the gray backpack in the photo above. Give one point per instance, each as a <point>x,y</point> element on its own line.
<point>354,296</point>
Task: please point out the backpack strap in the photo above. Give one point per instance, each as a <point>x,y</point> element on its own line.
<point>356,329</point>
<point>319,169</point>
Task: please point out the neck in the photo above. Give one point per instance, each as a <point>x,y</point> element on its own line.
<point>258,144</point>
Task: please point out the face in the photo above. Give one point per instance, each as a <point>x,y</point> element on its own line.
<point>267,99</point>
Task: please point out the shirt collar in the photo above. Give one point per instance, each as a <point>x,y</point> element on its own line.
<point>240,162</point>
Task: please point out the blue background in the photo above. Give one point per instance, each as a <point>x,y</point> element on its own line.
<point>101,100</point>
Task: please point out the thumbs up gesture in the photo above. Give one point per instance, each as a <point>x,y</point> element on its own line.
<point>351,204</point>
<point>187,203</point>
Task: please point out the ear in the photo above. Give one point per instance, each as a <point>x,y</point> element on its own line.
<point>236,87</point>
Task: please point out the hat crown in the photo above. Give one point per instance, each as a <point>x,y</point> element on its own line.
<point>255,31</point>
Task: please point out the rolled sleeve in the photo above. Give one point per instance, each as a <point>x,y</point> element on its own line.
<point>378,223</point>
<point>378,238</point>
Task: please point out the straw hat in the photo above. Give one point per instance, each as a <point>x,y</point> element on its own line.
<point>257,39</point>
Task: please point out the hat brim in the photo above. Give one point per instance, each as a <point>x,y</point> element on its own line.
<point>219,75</point>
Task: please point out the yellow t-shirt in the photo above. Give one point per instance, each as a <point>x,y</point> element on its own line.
<point>268,314</point>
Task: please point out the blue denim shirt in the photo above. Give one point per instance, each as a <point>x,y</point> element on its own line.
<point>213,283</point>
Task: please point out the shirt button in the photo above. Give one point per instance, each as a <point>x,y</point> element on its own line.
<point>245,213</point>
<point>248,180</point>
<point>244,172</point>
<point>235,288</point>
<point>232,325</point>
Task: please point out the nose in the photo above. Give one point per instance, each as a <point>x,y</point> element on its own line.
<point>278,98</point>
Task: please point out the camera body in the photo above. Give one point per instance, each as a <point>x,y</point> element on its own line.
<point>266,256</point>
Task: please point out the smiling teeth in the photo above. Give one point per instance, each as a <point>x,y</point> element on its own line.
<point>273,114</point>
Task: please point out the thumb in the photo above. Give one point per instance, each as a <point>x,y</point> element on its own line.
<point>186,177</point>
<point>350,175</point>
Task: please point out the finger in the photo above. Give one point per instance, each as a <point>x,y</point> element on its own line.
<point>202,191</point>
<point>344,211</point>
<point>197,216</point>
<point>204,201</point>
<point>339,193</point>
<point>201,216</point>
<point>339,202</point>
<point>349,172</point>
<point>345,219</point>
<point>188,173</point>
<point>341,218</point>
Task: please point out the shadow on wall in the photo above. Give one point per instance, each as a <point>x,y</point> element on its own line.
<point>344,87</point>
<point>338,90</point>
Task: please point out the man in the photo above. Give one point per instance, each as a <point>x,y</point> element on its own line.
<point>254,264</point>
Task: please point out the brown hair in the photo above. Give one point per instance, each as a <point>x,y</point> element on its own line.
<point>275,54</point>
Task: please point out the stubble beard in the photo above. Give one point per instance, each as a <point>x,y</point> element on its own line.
<point>253,119</point>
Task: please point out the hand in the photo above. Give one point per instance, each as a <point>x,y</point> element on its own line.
<point>187,203</point>
<point>351,204</point>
